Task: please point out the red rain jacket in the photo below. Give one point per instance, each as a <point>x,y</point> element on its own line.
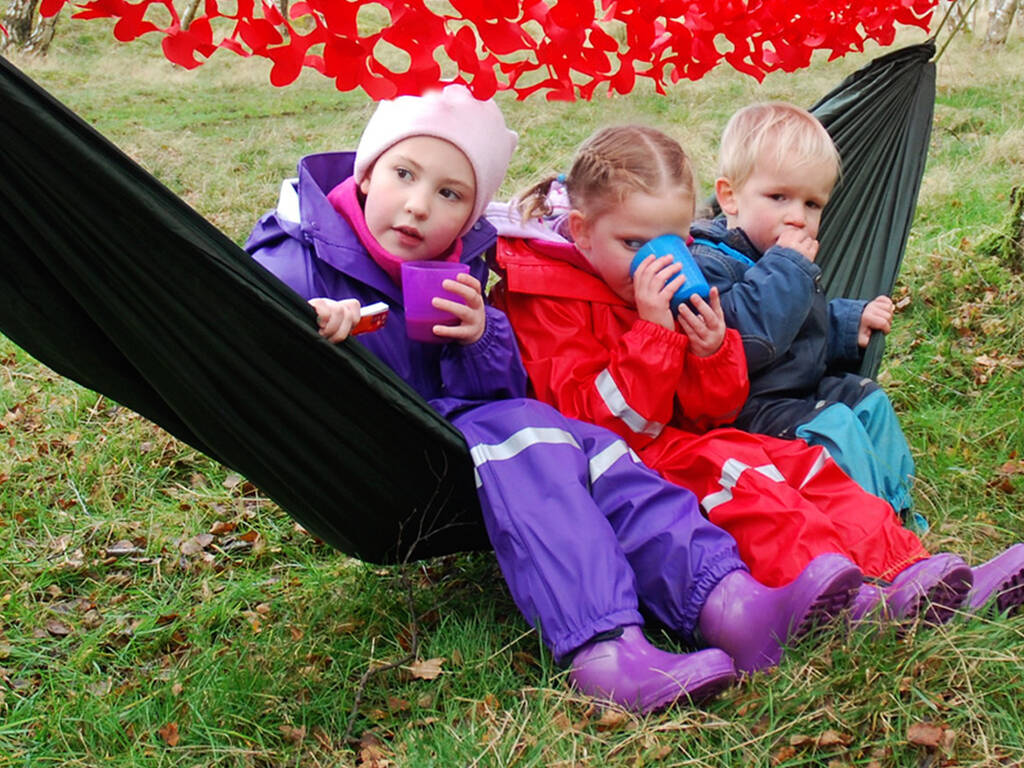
<point>589,354</point>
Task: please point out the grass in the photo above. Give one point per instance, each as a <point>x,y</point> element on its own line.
<point>156,610</point>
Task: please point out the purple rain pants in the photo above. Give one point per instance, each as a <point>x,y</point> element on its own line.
<point>583,531</point>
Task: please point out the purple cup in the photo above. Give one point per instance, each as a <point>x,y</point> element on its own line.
<point>421,282</point>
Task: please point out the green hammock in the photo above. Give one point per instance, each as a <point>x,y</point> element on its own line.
<point>133,294</point>
<point>880,118</point>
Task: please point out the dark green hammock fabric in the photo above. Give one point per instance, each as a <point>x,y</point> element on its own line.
<point>131,293</point>
<point>881,120</point>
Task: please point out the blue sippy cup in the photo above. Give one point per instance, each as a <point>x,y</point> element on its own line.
<point>673,245</point>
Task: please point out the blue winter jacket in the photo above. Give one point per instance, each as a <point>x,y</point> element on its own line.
<point>308,245</point>
<point>800,347</point>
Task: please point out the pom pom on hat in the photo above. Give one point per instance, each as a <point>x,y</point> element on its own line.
<point>455,115</point>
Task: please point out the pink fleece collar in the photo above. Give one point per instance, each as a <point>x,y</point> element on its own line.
<point>345,200</point>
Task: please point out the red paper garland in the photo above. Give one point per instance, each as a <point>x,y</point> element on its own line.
<point>565,49</point>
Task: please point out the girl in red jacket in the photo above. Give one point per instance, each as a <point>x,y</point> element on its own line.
<point>603,346</point>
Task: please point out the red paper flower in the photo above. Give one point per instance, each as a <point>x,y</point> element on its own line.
<point>565,49</point>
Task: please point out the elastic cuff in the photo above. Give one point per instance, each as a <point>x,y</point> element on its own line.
<point>659,333</point>
<point>703,585</point>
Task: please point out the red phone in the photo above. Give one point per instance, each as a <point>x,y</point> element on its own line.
<point>371,318</point>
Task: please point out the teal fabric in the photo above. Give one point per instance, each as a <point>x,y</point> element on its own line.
<point>873,450</point>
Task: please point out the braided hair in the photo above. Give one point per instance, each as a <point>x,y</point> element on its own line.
<point>612,164</point>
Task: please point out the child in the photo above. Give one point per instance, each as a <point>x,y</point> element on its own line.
<point>583,532</point>
<point>777,168</point>
<point>604,347</point>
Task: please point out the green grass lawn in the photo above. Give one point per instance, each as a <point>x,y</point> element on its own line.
<point>155,609</point>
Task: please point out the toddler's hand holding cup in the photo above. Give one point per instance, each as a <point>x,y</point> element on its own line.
<point>673,245</point>
<point>421,282</point>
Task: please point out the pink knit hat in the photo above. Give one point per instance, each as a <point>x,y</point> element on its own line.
<point>455,115</point>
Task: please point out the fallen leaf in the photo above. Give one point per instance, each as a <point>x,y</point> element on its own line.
<point>169,733</point>
<point>782,754</point>
<point>832,738</point>
<point>426,670</point>
<point>486,708</point>
<point>122,548</point>
<point>1012,468</point>
<point>1003,484</point>
<point>58,628</point>
<point>395,704</point>
<point>196,544</point>
<point>562,722</point>
<point>925,734</point>
<point>611,720</point>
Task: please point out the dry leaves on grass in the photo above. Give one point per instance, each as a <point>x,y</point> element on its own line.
<point>931,735</point>
<point>373,753</point>
<point>169,733</point>
<point>428,669</point>
<point>985,365</point>
<point>1003,480</point>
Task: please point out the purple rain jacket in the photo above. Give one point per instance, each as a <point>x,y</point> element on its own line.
<point>311,248</point>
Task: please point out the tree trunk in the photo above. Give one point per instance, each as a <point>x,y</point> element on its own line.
<point>39,41</point>
<point>19,18</point>
<point>999,21</point>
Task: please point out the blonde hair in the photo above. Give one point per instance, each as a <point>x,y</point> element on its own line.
<point>610,165</point>
<point>777,130</point>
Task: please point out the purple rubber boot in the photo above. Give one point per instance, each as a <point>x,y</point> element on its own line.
<point>932,589</point>
<point>1001,578</point>
<point>752,622</point>
<point>631,672</point>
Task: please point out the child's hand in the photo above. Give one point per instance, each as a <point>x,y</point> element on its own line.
<point>799,241</point>
<point>706,328</point>
<point>654,283</point>
<point>472,318</point>
<point>877,316</point>
<point>336,318</point>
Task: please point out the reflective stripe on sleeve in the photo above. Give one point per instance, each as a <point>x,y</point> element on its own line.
<point>612,397</point>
